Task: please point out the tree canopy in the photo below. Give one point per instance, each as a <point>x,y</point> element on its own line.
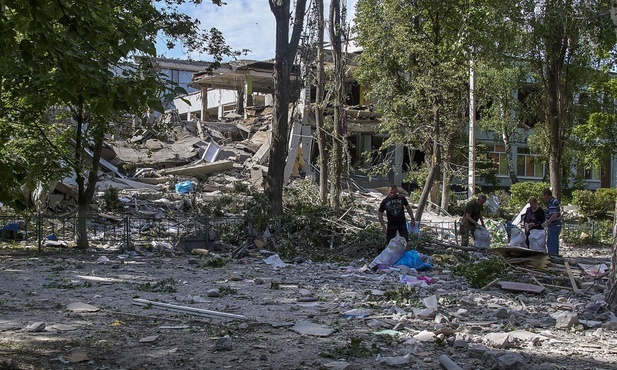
<point>70,71</point>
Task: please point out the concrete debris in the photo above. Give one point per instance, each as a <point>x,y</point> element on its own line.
<point>224,344</point>
<point>565,320</point>
<point>309,328</point>
<point>36,327</point>
<point>81,307</point>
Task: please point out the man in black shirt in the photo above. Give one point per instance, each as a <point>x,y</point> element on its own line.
<point>395,205</point>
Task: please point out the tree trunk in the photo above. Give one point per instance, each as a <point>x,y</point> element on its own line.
<point>505,135</point>
<point>611,295</point>
<point>335,30</point>
<point>446,177</point>
<point>285,54</point>
<point>434,171</point>
<point>81,234</point>
<point>319,117</point>
<point>85,191</point>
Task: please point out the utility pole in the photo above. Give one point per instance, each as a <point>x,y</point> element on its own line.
<point>471,182</point>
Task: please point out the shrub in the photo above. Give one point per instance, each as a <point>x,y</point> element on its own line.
<point>480,273</point>
<point>595,204</point>
<point>521,191</point>
<point>110,201</point>
<point>607,197</point>
<point>586,202</point>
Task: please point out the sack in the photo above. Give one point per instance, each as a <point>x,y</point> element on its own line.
<point>413,260</point>
<point>537,240</point>
<point>481,238</point>
<point>517,238</point>
<point>392,253</point>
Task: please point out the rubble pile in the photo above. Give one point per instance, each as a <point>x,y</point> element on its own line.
<point>104,309</point>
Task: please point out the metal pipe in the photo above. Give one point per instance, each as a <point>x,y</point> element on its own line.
<point>187,310</point>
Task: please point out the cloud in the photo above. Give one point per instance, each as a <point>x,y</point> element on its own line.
<point>245,24</point>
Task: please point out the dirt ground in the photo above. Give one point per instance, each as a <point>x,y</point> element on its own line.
<point>41,329</point>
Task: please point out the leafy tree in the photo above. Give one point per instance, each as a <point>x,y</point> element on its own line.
<point>562,40</point>
<point>414,61</point>
<point>286,49</point>
<point>502,112</point>
<point>71,70</point>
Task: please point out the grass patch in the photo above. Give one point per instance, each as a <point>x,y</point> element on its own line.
<point>163,286</point>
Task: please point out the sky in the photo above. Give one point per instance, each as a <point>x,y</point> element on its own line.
<point>245,24</point>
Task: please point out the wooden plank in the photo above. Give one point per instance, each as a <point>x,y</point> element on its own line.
<point>487,286</point>
<point>572,280</point>
<point>557,286</point>
<point>520,287</point>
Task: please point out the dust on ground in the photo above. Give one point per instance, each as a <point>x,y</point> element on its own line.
<point>293,317</point>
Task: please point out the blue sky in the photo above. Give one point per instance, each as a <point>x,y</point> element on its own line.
<point>245,24</point>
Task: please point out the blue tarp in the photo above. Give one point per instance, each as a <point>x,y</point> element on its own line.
<point>184,187</point>
<point>412,259</point>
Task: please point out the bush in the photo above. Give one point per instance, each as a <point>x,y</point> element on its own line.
<point>110,201</point>
<point>522,191</point>
<point>595,204</point>
<point>480,273</point>
<point>607,197</point>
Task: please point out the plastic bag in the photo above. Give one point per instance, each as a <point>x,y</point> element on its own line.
<point>537,240</point>
<point>413,230</point>
<point>517,238</point>
<point>481,238</point>
<point>184,187</point>
<point>413,260</point>
<point>392,253</point>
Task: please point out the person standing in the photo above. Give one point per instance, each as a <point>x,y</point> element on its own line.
<point>394,205</point>
<point>553,222</point>
<point>534,218</point>
<point>472,218</point>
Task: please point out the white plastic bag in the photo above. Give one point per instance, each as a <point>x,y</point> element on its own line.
<point>392,253</point>
<point>481,238</point>
<point>517,238</point>
<point>537,240</point>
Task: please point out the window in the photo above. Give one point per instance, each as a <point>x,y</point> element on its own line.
<point>592,173</point>
<point>498,155</point>
<point>528,164</point>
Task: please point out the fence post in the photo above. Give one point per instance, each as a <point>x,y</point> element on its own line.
<point>593,229</point>
<point>207,230</point>
<point>127,229</point>
<point>39,232</point>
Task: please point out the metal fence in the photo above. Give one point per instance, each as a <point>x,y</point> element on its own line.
<point>131,231</point>
<point>198,231</point>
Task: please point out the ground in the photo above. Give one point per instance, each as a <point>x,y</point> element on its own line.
<point>474,328</point>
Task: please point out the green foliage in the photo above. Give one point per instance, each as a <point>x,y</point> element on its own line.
<point>162,286</point>
<point>587,233</point>
<point>522,191</point>
<point>403,295</point>
<point>110,201</point>
<point>480,273</point>
<point>71,73</point>
<point>595,203</point>
<point>608,197</point>
<point>354,349</point>
<point>225,290</point>
<point>215,261</point>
